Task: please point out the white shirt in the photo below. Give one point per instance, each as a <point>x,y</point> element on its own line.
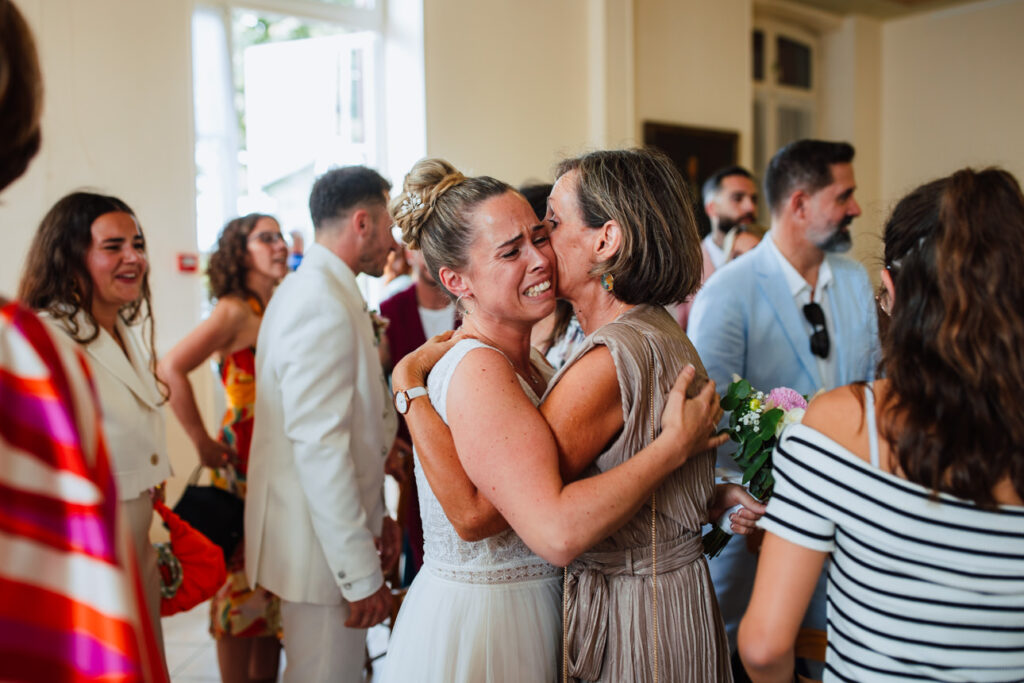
<point>802,295</point>
<point>436,321</point>
<point>714,251</point>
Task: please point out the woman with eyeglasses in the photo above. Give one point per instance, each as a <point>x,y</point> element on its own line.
<point>250,260</point>
<point>913,485</point>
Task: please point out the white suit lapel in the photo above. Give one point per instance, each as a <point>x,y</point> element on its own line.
<point>345,281</point>
<point>772,283</point>
<point>135,373</point>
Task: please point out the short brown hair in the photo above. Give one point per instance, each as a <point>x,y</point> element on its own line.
<point>21,95</point>
<point>660,260</point>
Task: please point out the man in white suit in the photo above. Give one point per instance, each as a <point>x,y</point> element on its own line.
<point>323,425</point>
<point>791,312</point>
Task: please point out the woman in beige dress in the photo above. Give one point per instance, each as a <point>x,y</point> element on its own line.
<point>626,245</point>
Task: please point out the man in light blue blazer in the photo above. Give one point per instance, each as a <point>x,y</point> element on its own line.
<point>791,312</point>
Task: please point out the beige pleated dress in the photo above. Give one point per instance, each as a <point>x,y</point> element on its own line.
<point>609,589</point>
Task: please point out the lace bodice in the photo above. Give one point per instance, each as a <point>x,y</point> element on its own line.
<point>502,558</point>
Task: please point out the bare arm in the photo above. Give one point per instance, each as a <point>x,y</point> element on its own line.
<point>786,577</point>
<point>217,332</point>
<point>509,452</point>
<point>584,410</point>
<point>582,427</point>
<point>471,514</point>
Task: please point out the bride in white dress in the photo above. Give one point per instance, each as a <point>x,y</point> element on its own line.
<point>489,610</point>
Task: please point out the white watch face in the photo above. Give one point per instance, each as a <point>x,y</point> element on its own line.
<point>401,402</point>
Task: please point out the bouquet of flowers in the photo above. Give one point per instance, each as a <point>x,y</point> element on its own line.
<point>755,423</point>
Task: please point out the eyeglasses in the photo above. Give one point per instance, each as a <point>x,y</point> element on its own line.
<point>267,237</point>
<point>819,338</point>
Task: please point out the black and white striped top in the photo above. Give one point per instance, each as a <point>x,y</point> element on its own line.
<point>919,587</point>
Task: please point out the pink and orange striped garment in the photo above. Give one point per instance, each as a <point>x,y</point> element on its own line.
<point>71,603</point>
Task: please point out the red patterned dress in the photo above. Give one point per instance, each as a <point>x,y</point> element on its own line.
<point>71,603</point>
<point>236,610</point>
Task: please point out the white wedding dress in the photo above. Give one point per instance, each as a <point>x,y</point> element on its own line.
<point>485,611</point>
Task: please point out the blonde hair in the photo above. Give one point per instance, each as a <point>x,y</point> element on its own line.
<point>434,208</point>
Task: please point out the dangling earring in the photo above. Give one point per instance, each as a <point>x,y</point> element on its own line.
<point>462,307</point>
<point>607,282</point>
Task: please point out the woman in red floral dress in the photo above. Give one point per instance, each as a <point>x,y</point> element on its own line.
<point>250,260</point>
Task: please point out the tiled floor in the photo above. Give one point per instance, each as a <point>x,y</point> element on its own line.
<point>192,655</point>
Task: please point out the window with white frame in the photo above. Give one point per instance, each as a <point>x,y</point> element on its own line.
<point>283,91</point>
<point>785,73</point>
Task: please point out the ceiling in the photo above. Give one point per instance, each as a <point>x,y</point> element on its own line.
<point>882,9</point>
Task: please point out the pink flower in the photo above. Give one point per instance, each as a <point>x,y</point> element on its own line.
<point>786,398</point>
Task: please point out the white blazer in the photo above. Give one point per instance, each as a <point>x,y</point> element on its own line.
<point>323,425</point>
<point>133,419</point>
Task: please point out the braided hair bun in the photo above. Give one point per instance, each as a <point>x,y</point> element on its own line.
<point>435,208</point>
<point>425,184</point>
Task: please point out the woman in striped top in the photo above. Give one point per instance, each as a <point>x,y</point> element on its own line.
<point>913,485</point>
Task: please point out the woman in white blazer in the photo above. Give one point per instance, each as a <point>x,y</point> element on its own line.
<point>88,275</point>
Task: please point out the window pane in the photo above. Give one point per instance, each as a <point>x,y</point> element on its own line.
<point>360,4</point>
<point>794,65</point>
<point>279,100</point>
<point>758,56</point>
<point>792,123</point>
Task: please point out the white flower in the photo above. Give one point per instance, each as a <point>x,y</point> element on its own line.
<point>790,417</point>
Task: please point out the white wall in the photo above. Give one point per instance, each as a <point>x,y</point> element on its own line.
<point>851,102</point>
<point>506,84</point>
<point>117,119</point>
<point>693,66</point>
<point>952,93</point>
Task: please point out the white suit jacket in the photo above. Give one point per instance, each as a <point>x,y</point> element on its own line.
<point>323,425</point>
<point>133,418</point>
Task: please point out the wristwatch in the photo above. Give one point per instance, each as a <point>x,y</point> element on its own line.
<point>404,398</point>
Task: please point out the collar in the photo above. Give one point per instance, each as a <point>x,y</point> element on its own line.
<point>133,370</point>
<point>795,282</point>
<point>317,254</point>
<point>714,252</point>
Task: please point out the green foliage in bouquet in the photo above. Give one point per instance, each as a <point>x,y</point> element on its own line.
<point>755,422</point>
<point>752,425</point>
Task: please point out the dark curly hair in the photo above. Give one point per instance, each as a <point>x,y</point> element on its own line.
<point>21,95</point>
<point>954,348</point>
<point>227,270</point>
<point>55,278</point>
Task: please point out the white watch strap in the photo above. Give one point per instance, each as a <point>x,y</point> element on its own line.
<point>416,392</point>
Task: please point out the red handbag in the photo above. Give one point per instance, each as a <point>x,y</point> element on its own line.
<point>192,567</point>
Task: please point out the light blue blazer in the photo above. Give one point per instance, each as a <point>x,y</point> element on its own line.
<point>744,321</point>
